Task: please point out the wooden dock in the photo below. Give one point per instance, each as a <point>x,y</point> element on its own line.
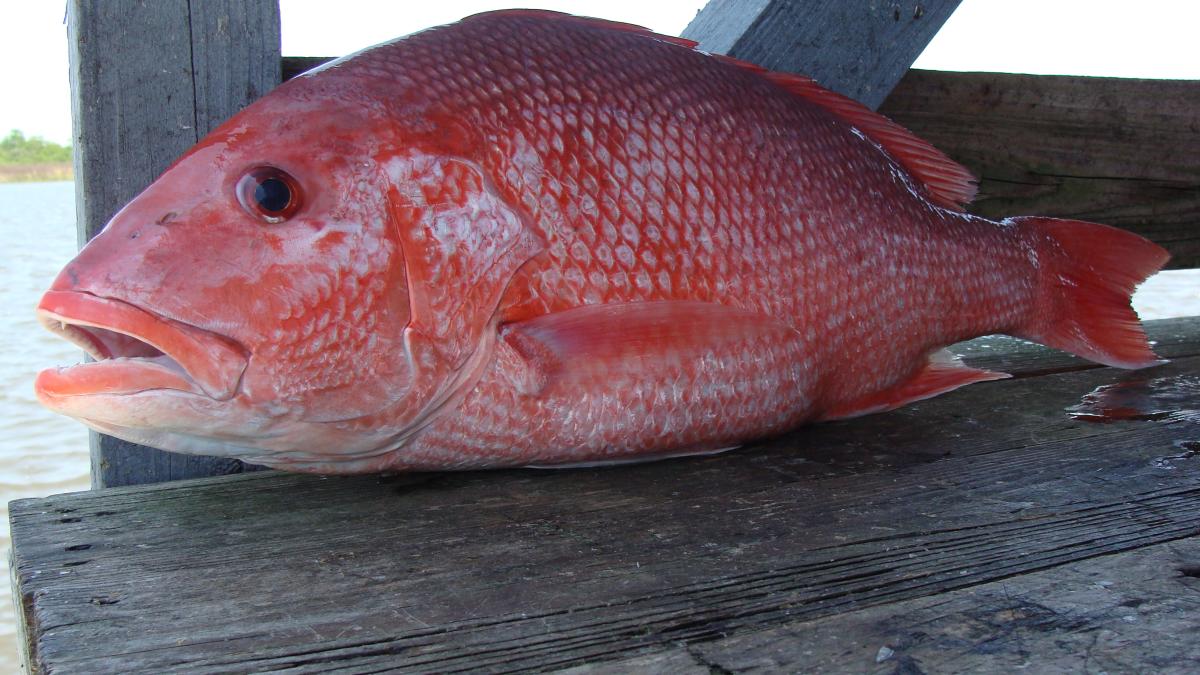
<point>982,531</point>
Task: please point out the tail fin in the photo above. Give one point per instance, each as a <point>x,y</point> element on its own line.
<point>1087,274</point>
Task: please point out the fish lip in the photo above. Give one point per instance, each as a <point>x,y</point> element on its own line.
<point>188,358</point>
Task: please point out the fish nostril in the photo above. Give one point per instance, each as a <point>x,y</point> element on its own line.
<point>71,273</point>
<point>166,218</point>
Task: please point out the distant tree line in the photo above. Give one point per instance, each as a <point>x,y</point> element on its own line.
<point>17,149</point>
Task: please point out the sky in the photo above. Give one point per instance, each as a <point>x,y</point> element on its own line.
<point>1150,38</point>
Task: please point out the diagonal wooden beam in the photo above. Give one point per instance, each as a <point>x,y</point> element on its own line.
<point>857,48</point>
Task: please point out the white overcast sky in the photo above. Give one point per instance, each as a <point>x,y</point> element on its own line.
<point>1149,38</point>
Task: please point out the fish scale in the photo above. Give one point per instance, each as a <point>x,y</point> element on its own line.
<point>712,187</point>
<point>529,238</point>
<point>687,405</point>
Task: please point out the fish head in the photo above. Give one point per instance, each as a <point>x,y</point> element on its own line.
<point>253,302</point>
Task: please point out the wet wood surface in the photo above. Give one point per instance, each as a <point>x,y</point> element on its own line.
<point>984,530</point>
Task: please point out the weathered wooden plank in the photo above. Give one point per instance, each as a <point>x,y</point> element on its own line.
<point>126,59</point>
<point>147,80</point>
<point>235,56</point>
<point>1129,612</point>
<point>1115,151</point>
<point>522,569</point>
<point>860,49</point>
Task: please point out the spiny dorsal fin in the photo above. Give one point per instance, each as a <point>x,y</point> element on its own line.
<point>948,183</point>
<point>591,21</point>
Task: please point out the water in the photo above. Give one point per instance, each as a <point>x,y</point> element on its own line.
<point>40,453</point>
<point>43,454</point>
<point>1169,294</point>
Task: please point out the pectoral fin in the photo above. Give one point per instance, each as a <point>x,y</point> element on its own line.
<point>635,342</point>
<point>633,381</point>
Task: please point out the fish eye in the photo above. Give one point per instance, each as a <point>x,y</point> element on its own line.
<point>269,194</point>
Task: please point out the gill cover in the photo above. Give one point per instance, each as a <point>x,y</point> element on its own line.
<point>461,244</point>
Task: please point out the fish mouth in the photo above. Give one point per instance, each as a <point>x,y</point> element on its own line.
<point>135,350</point>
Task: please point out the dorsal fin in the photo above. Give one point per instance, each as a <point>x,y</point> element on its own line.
<point>591,21</point>
<point>948,183</point>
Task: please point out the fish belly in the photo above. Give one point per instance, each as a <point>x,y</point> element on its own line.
<point>618,382</point>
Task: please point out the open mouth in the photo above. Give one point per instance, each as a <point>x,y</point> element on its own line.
<point>135,350</point>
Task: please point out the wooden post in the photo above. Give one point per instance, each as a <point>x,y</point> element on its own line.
<point>148,80</point>
<point>860,49</point>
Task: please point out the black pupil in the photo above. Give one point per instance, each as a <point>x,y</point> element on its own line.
<point>273,195</point>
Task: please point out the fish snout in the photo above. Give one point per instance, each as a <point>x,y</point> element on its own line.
<point>136,350</point>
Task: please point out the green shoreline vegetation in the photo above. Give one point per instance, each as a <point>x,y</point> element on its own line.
<point>33,159</point>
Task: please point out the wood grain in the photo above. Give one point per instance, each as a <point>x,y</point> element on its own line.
<point>858,49</point>
<point>683,563</point>
<point>1124,613</point>
<point>235,56</point>
<point>148,79</point>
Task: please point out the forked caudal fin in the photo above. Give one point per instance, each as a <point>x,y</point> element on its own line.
<point>1087,274</point>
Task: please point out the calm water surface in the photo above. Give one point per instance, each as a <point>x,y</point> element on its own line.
<point>40,453</point>
<point>43,454</point>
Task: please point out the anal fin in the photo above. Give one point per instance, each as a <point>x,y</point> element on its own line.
<point>942,373</point>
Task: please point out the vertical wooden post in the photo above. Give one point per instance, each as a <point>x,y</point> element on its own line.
<point>859,49</point>
<point>149,78</point>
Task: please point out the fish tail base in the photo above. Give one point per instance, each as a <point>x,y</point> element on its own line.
<point>1088,273</point>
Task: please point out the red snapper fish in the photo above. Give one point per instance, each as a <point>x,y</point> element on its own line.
<point>529,238</point>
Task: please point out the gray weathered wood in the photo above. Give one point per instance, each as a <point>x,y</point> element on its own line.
<point>860,49</point>
<point>1115,151</point>
<point>148,79</point>
<point>689,563</point>
<point>1124,613</point>
<point>235,55</point>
